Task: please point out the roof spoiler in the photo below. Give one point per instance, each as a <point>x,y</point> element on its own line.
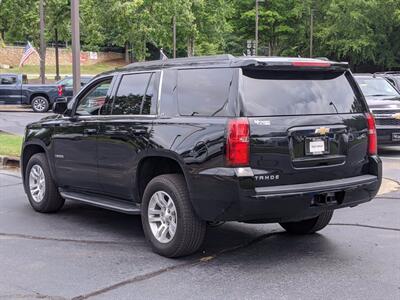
<point>312,64</point>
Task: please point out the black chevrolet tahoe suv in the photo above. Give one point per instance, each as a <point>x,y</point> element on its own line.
<point>194,141</point>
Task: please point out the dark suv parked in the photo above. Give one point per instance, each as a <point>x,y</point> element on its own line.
<point>384,102</point>
<point>189,141</point>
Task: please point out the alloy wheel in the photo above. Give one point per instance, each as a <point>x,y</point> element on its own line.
<point>37,183</point>
<point>39,104</point>
<point>162,216</point>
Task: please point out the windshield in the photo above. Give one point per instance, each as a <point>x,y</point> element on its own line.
<point>377,87</point>
<point>272,93</point>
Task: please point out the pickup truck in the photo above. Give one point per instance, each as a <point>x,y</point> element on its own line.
<point>14,89</point>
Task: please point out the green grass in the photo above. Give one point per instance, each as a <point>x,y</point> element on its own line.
<point>10,145</point>
<point>64,69</point>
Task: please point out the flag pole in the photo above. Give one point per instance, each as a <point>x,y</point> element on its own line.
<point>42,44</point>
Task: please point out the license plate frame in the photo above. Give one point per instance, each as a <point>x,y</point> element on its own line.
<point>315,142</point>
<point>396,136</point>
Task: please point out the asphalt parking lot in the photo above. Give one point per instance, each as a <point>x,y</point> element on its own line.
<point>89,253</point>
<point>15,121</point>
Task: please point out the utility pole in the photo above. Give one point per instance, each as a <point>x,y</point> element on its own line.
<point>311,32</point>
<point>57,59</point>
<point>174,34</point>
<point>257,17</point>
<point>256,38</point>
<point>76,46</point>
<point>42,43</point>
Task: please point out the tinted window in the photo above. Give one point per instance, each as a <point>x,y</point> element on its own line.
<point>65,82</point>
<point>298,93</point>
<point>376,87</point>
<point>204,92</point>
<point>135,95</point>
<point>5,79</point>
<point>93,101</point>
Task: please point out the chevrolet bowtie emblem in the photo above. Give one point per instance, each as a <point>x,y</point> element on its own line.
<point>322,130</point>
<point>396,116</point>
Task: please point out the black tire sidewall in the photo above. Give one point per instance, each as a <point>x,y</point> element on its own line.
<point>46,107</point>
<point>39,159</point>
<point>166,249</point>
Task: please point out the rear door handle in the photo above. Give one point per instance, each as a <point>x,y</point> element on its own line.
<point>90,131</point>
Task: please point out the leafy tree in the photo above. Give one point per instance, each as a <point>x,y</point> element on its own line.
<point>360,31</point>
<point>58,15</point>
<point>19,20</point>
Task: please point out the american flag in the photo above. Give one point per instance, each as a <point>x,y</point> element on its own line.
<point>28,51</point>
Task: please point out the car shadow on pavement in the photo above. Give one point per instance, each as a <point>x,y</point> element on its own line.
<point>228,238</point>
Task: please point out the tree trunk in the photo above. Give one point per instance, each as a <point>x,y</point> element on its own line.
<point>190,47</point>
<point>57,60</point>
<point>127,52</point>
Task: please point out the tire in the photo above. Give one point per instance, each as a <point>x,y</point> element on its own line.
<point>40,104</point>
<point>310,225</point>
<point>49,200</point>
<point>190,229</point>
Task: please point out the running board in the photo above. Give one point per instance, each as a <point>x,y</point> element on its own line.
<point>104,202</point>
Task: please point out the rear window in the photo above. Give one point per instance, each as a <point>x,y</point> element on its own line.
<point>298,93</point>
<point>204,92</point>
<point>7,79</point>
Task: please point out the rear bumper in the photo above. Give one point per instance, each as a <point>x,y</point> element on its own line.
<point>316,187</point>
<point>385,134</point>
<point>226,197</point>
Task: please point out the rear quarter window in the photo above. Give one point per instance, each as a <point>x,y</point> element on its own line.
<point>204,92</point>
<point>271,93</point>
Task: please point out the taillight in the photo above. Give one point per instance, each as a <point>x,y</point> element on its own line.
<point>316,64</point>
<point>237,144</point>
<point>372,138</point>
<point>60,90</point>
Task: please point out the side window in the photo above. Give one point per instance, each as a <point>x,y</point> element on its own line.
<point>68,82</point>
<point>8,80</point>
<point>135,95</point>
<point>92,102</point>
<point>204,92</point>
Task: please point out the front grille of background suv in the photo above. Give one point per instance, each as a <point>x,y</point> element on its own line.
<point>387,122</point>
<point>385,117</point>
<point>385,111</point>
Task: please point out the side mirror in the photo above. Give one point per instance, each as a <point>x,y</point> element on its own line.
<point>60,105</point>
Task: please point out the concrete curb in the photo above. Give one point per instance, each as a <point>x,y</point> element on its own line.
<point>388,186</point>
<point>15,108</point>
<point>9,161</point>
